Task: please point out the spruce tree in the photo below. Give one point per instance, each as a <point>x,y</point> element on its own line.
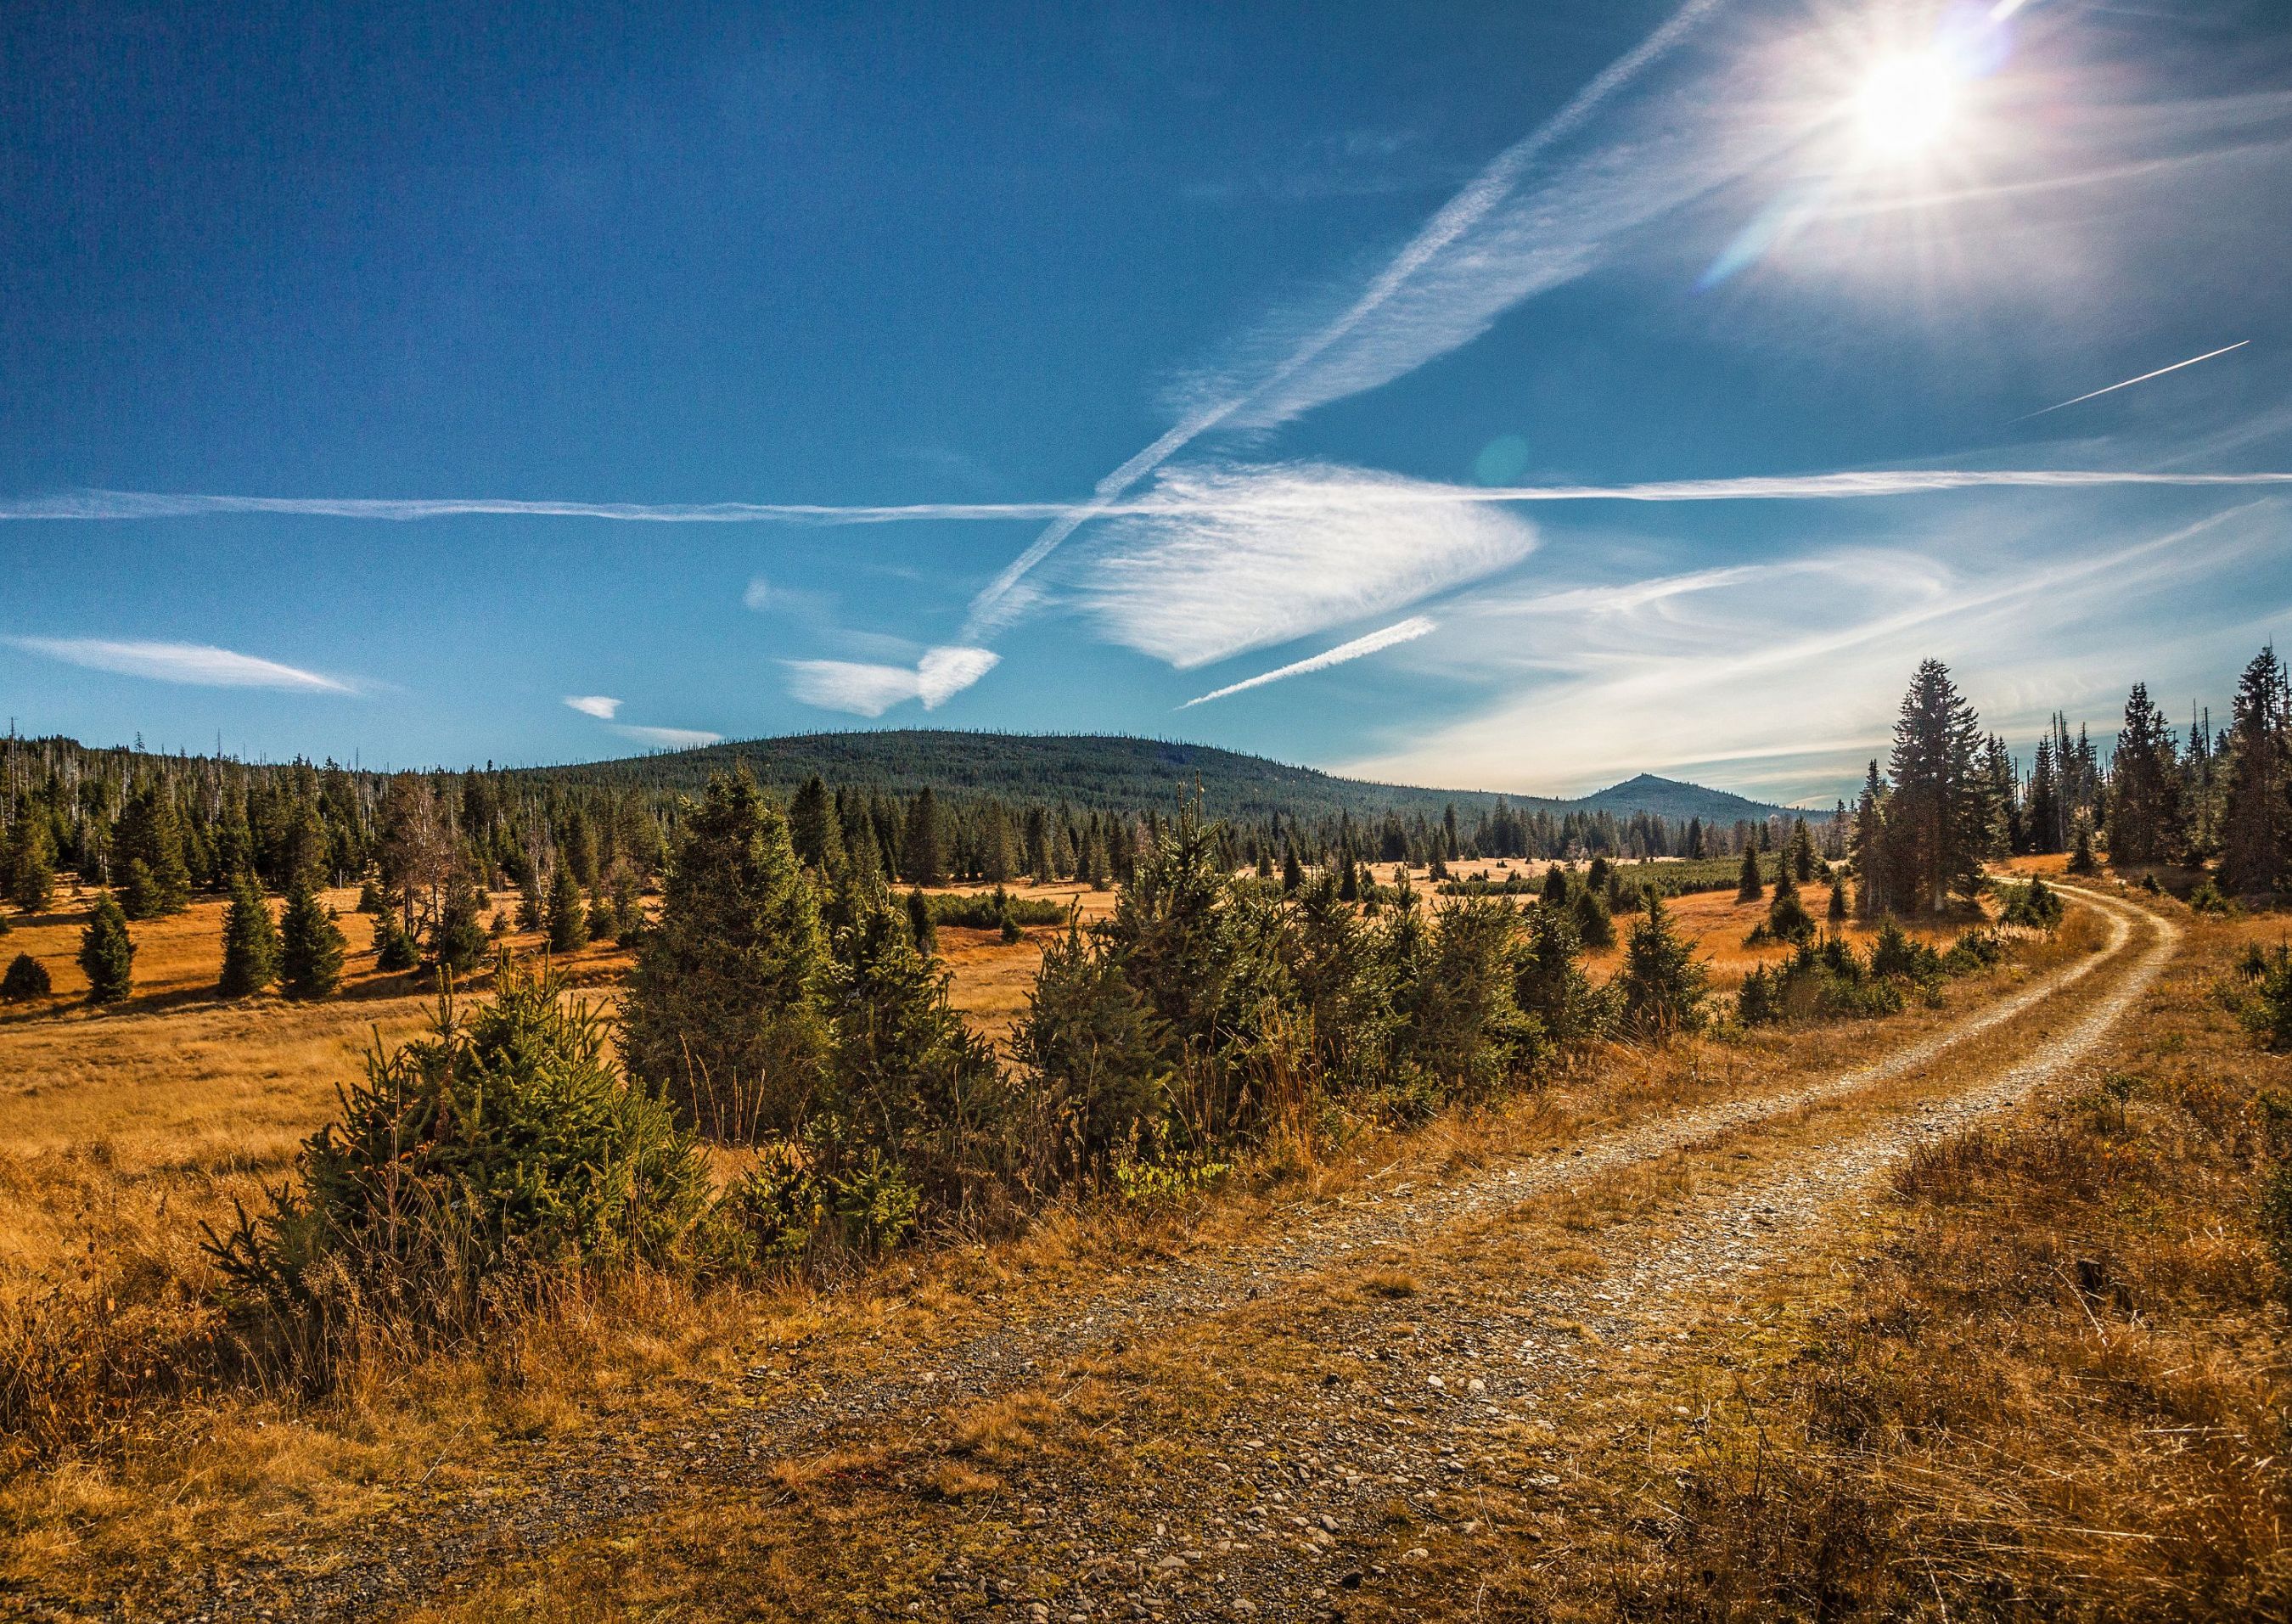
<point>309,945</point>
<point>1091,1051</point>
<point>1293,872</point>
<point>1869,846</point>
<point>1802,852</point>
<point>921,859</point>
<point>2145,792</point>
<point>250,941</point>
<point>567,919</point>
<point>394,948</point>
<point>149,834</point>
<point>107,954</point>
<point>2256,834</point>
<point>1748,886</point>
<point>724,1008</point>
<point>1837,909</point>
<point>1938,820</point>
<point>457,939</point>
<point>813,828</point>
<point>921,928</point>
<point>30,874</point>
<point>1661,981</point>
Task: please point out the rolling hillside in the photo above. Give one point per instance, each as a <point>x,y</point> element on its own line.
<point>1112,771</point>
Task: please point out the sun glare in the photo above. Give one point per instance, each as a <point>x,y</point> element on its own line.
<point>1906,104</point>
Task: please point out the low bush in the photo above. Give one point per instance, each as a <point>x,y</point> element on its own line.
<point>467,1164</point>
<point>996,910</point>
<point>2036,905</point>
<point>27,979</point>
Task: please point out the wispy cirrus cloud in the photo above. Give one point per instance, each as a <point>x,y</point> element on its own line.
<point>1406,631</point>
<point>1692,673</point>
<point>1442,288</point>
<point>601,706</point>
<point>864,689</point>
<point>1244,558</point>
<point>668,737</point>
<point>197,665</point>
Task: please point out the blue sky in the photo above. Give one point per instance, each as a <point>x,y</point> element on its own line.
<point>1064,366</point>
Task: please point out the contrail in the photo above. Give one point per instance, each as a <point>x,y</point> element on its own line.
<point>1406,631</point>
<point>2129,383</point>
<point>991,609</point>
<point>135,505</point>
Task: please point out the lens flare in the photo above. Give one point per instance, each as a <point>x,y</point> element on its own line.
<point>1906,104</point>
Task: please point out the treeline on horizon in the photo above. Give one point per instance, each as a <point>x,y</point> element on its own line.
<point>155,828</point>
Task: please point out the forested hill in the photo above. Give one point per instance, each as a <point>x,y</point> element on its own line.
<point>1114,772</point>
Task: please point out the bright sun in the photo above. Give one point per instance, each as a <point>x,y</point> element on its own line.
<point>1906,103</point>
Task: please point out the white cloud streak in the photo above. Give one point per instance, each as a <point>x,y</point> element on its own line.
<point>668,737</point>
<point>597,705</point>
<point>862,689</point>
<point>1318,367</point>
<point>2129,383</point>
<point>1245,558</point>
<point>1406,631</point>
<point>1182,491</point>
<point>197,665</point>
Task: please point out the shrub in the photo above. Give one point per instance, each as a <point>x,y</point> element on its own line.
<point>2036,905</point>
<point>2265,1008</point>
<point>505,1140</point>
<point>27,979</point>
<point>2206,899</point>
<point>772,1212</point>
<point>1902,956</point>
<point>996,910</point>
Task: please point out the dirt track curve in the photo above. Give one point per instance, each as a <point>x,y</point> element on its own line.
<point>1286,1507</point>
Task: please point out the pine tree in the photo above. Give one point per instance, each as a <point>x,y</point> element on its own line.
<point>1801,851</point>
<point>1869,846</point>
<point>2144,794</point>
<point>1837,909</point>
<point>1939,818</point>
<point>922,930</point>
<point>724,1008</point>
<point>1662,982</point>
<point>2046,829</point>
<point>30,856</point>
<point>1786,877</point>
<point>921,859</point>
<point>250,942</point>
<point>107,954</point>
<point>1293,872</point>
<point>813,828</point>
<point>149,834</point>
<point>567,919</point>
<point>2255,832</point>
<point>1748,887</point>
<point>309,945</point>
<point>393,949</point>
<point>457,940</point>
